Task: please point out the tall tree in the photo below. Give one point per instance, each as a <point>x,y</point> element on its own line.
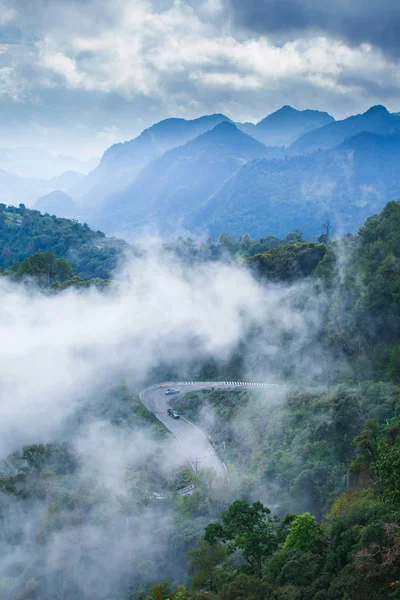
<point>250,528</point>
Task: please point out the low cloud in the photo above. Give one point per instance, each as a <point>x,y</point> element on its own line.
<point>59,349</point>
<point>61,353</point>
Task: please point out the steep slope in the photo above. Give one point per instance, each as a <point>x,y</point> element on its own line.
<point>174,185</point>
<point>376,120</point>
<point>346,184</point>
<point>122,162</point>
<point>284,126</point>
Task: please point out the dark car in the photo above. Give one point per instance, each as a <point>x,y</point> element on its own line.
<point>172,413</point>
<point>171,391</point>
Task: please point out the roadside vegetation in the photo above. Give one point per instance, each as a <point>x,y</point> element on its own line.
<point>312,509</point>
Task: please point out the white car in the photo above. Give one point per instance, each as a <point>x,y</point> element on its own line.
<point>171,391</point>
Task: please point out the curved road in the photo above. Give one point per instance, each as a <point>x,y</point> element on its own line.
<point>193,441</point>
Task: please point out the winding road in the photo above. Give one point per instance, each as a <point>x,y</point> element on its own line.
<point>194,442</point>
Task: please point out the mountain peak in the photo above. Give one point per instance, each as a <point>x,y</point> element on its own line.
<point>227,135</point>
<point>227,132</point>
<point>225,126</point>
<point>221,132</point>
<point>377,109</point>
<point>286,109</point>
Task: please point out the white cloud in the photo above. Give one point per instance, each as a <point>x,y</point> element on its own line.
<point>177,58</point>
<point>135,50</point>
<point>161,54</point>
<point>57,350</point>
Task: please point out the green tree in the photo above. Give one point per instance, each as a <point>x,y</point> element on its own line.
<point>388,470</point>
<point>304,534</point>
<point>247,587</point>
<point>366,445</point>
<point>44,265</point>
<point>247,527</point>
<point>206,561</point>
<point>288,263</point>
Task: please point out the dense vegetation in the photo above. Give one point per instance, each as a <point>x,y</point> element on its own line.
<point>24,232</point>
<point>312,510</point>
<point>346,184</point>
<point>59,481</point>
<point>226,247</point>
<point>320,452</point>
<point>294,452</point>
<point>45,270</point>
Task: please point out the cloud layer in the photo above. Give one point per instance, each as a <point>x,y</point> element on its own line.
<point>356,21</point>
<point>105,70</point>
<point>61,353</point>
<point>59,350</point>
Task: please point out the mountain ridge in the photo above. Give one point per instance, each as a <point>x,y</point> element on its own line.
<point>285,125</point>
<point>181,178</point>
<point>377,119</point>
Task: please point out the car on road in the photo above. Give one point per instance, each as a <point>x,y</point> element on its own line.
<point>171,391</point>
<point>172,413</point>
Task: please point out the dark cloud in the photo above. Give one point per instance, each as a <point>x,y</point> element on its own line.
<point>79,75</point>
<point>374,21</point>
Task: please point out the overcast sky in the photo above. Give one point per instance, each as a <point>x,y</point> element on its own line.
<point>77,75</point>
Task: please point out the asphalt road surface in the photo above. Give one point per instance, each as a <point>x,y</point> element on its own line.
<point>194,442</point>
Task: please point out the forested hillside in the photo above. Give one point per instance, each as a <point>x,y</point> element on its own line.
<point>174,185</point>
<point>346,184</point>
<point>320,453</point>
<point>376,120</point>
<point>324,460</point>
<point>311,509</point>
<point>122,162</point>
<point>24,232</point>
<point>225,181</point>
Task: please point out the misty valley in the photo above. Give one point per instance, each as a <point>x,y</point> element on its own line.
<point>200,357</point>
<point>199,300</point>
<point>112,488</point>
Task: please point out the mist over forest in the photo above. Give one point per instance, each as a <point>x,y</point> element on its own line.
<point>90,479</point>
<point>199,300</point>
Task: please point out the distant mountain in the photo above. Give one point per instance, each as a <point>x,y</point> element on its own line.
<point>25,190</point>
<point>40,164</point>
<point>56,203</point>
<point>122,162</point>
<point>177,183</point>
<point>284,126</point>
<point>66,180</point>
<point>345,184</point>
<point>376,120</point>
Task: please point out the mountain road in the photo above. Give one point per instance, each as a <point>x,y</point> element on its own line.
<point>195,444</point>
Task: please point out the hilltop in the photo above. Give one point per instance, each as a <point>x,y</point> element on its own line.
<point>24,232</point>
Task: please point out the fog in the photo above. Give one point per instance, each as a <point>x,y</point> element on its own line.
<point>61,355</point>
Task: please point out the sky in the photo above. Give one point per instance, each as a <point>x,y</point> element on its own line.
<point>79,75</point>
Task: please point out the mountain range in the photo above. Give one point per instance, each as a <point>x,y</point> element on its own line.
<point>376,120</point>
<point>293,169</point>
<point>16,190</point>
<point>173,185</point>
<point>39,164</point>
<point>122,162</point>
<point>286,125</point>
